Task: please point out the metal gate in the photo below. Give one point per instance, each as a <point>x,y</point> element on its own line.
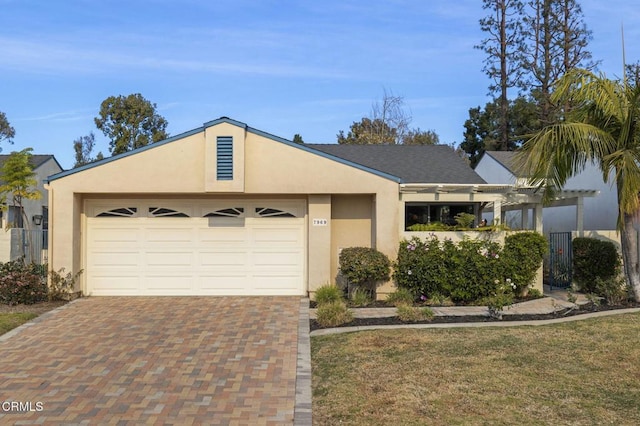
<point>30,245</point>
<point>560,260</point>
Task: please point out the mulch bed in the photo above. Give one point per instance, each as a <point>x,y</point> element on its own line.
<point>584,309</point>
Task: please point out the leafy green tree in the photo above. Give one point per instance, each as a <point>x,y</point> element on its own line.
<point>603,128</point>
<point>632,73</point>
<point>18,181</point>
<point>297,139</point>
<point>482,128</point>
<point>83,147</point>
<point>130,122</point>
<point>7,133</point>
<point>368,131</point>
<point>420,137</point>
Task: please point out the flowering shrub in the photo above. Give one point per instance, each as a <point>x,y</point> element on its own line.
<point>470,270</point>
<point>20,283</point>
<point>501,298</point>
<point>523,254</point>
<point>464,272</point>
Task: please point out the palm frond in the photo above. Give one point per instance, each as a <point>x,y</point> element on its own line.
<point>560,151</point>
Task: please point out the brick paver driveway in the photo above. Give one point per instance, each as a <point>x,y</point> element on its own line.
<point>155,360</point>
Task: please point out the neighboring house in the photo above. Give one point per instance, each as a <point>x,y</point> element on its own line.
<point>226,209</point>
<point>14,241</point>
<point>586,203</point>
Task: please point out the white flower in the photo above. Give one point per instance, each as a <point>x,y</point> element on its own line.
<point>409,272</point>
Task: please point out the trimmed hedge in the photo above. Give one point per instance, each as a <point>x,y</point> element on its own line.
<point>593,259</point>
<point>364,266</point>
<point>471,269</point>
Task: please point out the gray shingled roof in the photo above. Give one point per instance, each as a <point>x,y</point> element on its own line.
<point>506,158</point>
<point>37,159</point>
<point>411,163</point>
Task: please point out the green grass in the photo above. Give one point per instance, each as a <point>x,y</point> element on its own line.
<point>13,320</point>
<point>584,372</point>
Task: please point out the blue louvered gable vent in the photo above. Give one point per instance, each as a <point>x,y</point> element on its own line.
<point>224,150</point>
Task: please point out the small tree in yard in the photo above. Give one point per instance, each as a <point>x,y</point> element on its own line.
<point>18,182</point>
<point>364,267</point>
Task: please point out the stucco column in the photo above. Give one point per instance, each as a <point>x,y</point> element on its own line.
<point>537,219</point>
<point>497,212</point>
<point>319,241</point>
<point>524,217</point>
<point>580,216</point>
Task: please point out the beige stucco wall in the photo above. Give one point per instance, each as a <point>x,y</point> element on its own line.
<point>351,225</point>
<point>319,240</point>
<point>183,168</point>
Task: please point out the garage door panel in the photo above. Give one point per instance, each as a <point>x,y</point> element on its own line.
<point>111,284</point>
<point>125,237</point>
<point>282,235</point>
<point>162,236</point>
<point>169,284</point>
<point>277,258</point>
<point>224,258</point>
<point>223,237</point>
<point>115,259</point>
<point>169,259</point>
<point>225,282</point>
<point>275,283</point>
<point>195,255</point>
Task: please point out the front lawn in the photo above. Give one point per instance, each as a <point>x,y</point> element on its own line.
<point>12,316</point>
<point>13,320</point>
<point>584,372</point>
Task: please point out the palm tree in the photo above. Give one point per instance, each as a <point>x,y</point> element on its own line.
<point>602,127</point>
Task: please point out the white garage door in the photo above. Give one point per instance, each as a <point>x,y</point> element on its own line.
<point>195,248</point>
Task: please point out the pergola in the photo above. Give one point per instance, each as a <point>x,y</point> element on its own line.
<point>499,198</point>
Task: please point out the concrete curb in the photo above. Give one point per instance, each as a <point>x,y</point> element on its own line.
<point>302,415</point>
<point>338,330</point>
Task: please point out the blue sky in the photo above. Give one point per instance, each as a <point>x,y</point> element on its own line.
<point>284,67</point>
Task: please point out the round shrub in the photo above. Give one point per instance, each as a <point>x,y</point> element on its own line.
<point>402,296</point>
<point>523,254</point>
<point>328,294</point>
<point>408,313</point>
<point>333,314</point>
<point>21,284</point>
<point>364,266</point>
<point>592,259</point>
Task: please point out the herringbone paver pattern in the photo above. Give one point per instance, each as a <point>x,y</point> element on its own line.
<point>164,360</point>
